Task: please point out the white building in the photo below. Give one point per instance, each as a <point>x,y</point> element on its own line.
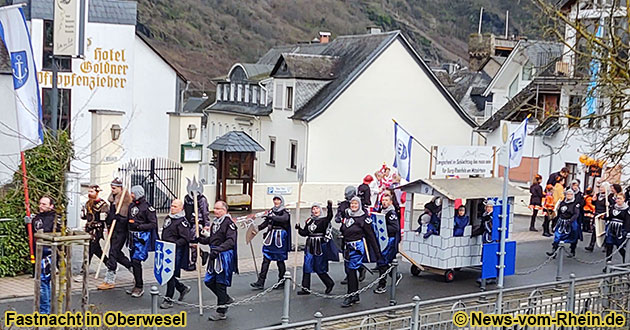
<point>121,80</point>
<point>329,105</point>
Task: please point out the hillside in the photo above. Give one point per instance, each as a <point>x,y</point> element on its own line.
<point>205,37</point>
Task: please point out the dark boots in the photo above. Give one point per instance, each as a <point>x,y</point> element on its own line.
<point>545,226</point>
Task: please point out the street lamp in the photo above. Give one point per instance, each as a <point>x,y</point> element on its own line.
<point>115,130</point>
<point>192,131</point>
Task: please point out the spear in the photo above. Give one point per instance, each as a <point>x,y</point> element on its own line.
<point>300,175</point>
<point>196,189</point>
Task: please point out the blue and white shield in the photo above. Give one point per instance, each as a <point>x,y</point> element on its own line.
<point>20,68</point>
<point>164,262</point>
<point>380,228</point>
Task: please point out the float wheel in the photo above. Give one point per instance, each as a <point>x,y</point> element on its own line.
<point>415,271</point>
<point>449,276</point>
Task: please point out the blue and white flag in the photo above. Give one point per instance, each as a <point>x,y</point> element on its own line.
<point>517,144</point>
<point>164,261</point>
<point>402,145</point>
<point>14,33</point>
<point>591,93</point>
<point>380,229</point>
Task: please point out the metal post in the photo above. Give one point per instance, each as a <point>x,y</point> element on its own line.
<point>415,316</point>
<point>318,318</point>
<point>54,98</point>
<point>607,269</point>
<point>560,257</point>
<point>154,301</point>
<point>151,192</point>
<point>287,296</point>
<point>394,276</point>
<point>502,230</point>
<point>482,288</point>
<point>571,294</point>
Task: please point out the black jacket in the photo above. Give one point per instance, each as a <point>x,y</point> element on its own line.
<point>552,178</point>
<point>355,228</point>
<point>45,221</point>
<point>142,216</point>
<point>622,216</point>
<point>223,236</point>
<point>536,194</point>
<point>281,219</point>
<point>569,210</point>
<point>176,230</point>
<point>202,207</point>
<point>363,192</point>
<point>600,203</point>
<point>393,223</point>
<point>341,210</point>
<point>316,225</point>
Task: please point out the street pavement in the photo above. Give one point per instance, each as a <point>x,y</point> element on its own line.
<point>267,310</point>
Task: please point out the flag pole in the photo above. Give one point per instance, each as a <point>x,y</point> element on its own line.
<point>412,137</point>
<point>27,205</point>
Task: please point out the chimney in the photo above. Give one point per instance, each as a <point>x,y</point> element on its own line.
<point>324,37</point>
<point>373,29</point>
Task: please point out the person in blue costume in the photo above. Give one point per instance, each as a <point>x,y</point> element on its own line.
<point>318,249</point>
<point>222,259</point>
<point>176,230</point>
<point>461,221</point>
<point>276,241</point>
<point>356,228</point>
<point>388,254</point>
<point>142,226</point>
<point>567,226</point>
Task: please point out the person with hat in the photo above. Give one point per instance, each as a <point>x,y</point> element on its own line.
<point>223,257</point>
<point>363,191</point>
<point>119,233</point>
<point>567,228</point>
<point>276,241</point>
<point>356,228</point>
<point>318,249</point>
<point>142,235</point>
<point>176,230</point>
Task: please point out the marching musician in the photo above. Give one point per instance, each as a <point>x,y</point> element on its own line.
<point>119,233</point>
<point>567,228</point>
<point>223,258</point>
<point>356,229</point>
<point>391,250</point>
<point>276,241</point>
<point>318,250</point>
<point>176,230</point>
<point>142,235</point>
<point>617,227</point>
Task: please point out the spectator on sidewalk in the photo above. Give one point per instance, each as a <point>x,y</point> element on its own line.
<point>553,178</point>
<point>364,191</point>
<point>548,210</point>
<point>535,200</point>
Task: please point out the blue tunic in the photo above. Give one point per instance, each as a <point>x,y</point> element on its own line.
<point>567,227</point>
<point>317,263</point>
<point>221,268</point>
<point>140,245</point>
<point>460,225</point>
<point>276,245</point>
<point>389,253</point>
<point>354,253</point>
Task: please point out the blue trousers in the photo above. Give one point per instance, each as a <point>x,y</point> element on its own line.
<point>44,297</point>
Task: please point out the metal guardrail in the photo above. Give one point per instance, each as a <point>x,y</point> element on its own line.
<point>596,294</point>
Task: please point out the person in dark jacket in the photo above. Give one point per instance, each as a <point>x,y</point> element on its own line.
<point>553,178</point>
<point>204,221</point>
<point>567,228</point>
<point>318,250</point>
<point>223,257</point>
<point>46,221</point>
<point>579,198</point>
<point>276,241</point>
<point>119,234</point>
<point>461,221</point>
<point>356,229</point>
<point>388,254</point>
<point>612,195</point>
<point>617,227</point>
<point>348,193</point>
<point>432,216</point>
<point>535,200</point>
<point>176,230</point>
<point>363,191</point>
<point>142,235</point>
<point>486,222</point>
<point>600,202</point>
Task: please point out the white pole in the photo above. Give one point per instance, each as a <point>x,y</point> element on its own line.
<point>480,19</point>
<point>502,230</point>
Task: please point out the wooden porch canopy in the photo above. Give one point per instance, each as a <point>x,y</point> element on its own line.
<point>235,153</point>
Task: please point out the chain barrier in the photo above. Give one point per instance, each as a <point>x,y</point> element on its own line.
<point>539,267</point>
<point>348,295</point>
<point>586,262</point>
<point>236,303</point>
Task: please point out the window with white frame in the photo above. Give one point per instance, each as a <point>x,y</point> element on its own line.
<point>254,94</point>
<point>232,88</point>
<point>225,91</point>
<point>263,96</point>
<point>278,101</point>
<point>219,92</point>
<point>293,149</point>
<point>246,93</point>
<point>289,97</point>
<point>239,94</point>
<point>272,150</point>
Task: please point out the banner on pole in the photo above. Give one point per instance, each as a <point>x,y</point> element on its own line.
<point>517,144</point>
<point>164,261</point>
<point>402,146</point>
<point>464,160</point>
<point>14,33</point>
<point>68,27</point>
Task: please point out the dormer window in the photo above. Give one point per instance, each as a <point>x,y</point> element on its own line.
<point>239,94</point>
<point>219,92</point>
<point>225,92</point>
<point>254,94</point>
<point>289,96</point>
<point>232,88</point>
<point>246,93</point>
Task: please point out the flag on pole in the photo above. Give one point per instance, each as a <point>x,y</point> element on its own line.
<point>591,98</point>
<point>14,33</point>
<point>517,144</point>
<point>402,145</point>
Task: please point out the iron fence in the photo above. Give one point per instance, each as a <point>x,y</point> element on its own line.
<point>160,178</point>
<point>597,294</point>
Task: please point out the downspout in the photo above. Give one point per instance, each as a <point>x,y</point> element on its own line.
<point>551,152</point>
<point>305,149</point>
